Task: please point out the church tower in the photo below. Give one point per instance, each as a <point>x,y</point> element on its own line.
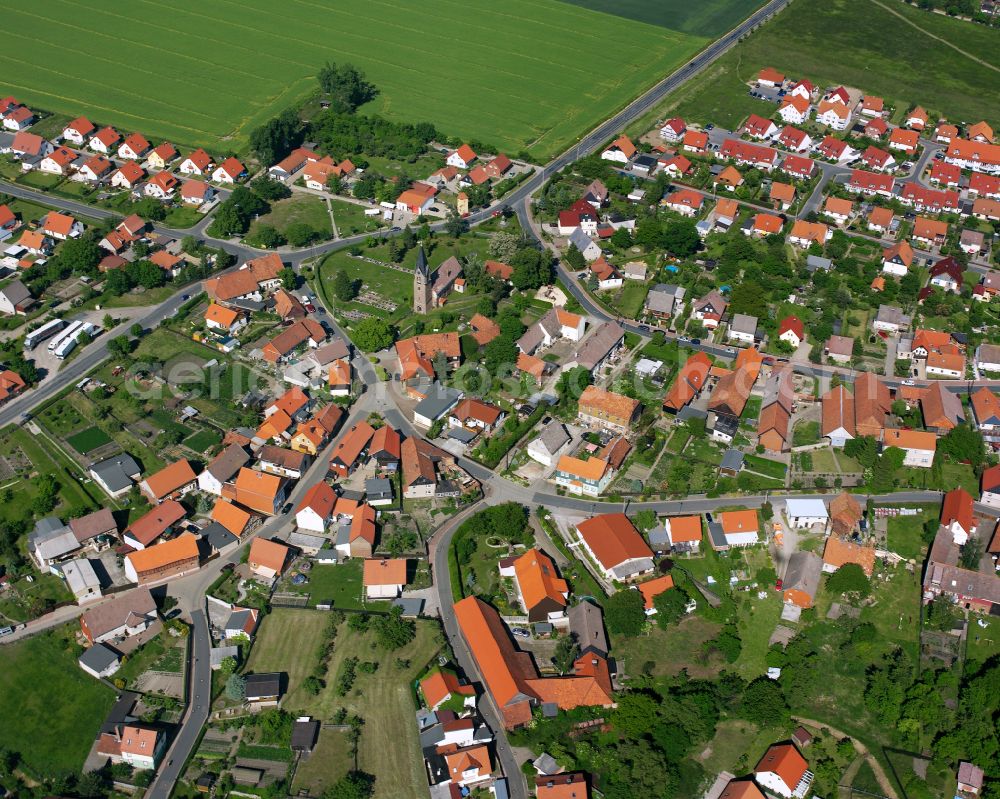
<point>421,284</point>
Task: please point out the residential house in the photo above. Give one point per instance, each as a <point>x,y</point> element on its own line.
<point>116,475</point>
<point>255,280</point>
<point>306,332</point>
<point>78,131</point>
<point>740,527</point>
<point>686,202</point>
<point>599,349</point>
<point>197,163</point>
<point>794,109</point>
<point>616,546</point>
<point>839,349</point>
<point>421,464</point>
<point>162,156</point>
<point>774,421</point>
<point>607,410</point>
<point>839,551</point>
<point>153,524</point>
<point>673,130</point>
<point>801,579</point>
<point>783,771</point>
<point>897,259</point>
<point>267,558</point>
<point>195,192</point>
<point>838,416</point>
<point>105,141</point>
<point>476,416</point>
<point>165,561</point>
<point>662,301</point>
<point>795,139</point>
<point>58,162</point>
<point>688,384</point>
<point>880,220</point>
<point>124,615</point>
<point>222,468</point>
<point>134,147</point>
<point>918,445</point>
<point>878,160</point>
<point>227,320</point>
<point>170,482</point>
<point>589,477</point>
<point>710,309</point>
<point>139,746</point>
<point>621,150</point>
<point>958,515</point>
<point>263,492</point>
<point>683,533</point>
<point>870,183</point>
<point>15,298</point>
<point>904,140</point>
<point>161,186</point>
<point>753,155</point>
<point>229,171</point>
<point>792,331</point>
<point>986,413</point>
<point>743,328</point>
<point>929,232</point>
<point>834,115</point>
<point>384,578</point>
<point>346,456</point>
<point>549,444</point>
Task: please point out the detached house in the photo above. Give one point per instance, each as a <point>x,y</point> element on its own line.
<point>606,409</point>
<point>229,171</point>
<point>78,131</point>
<point>198,163</point>
<point>105,141</point>
<point>541,592</point>
<point>461,158</point>
<point>616,546</point>
<point>897,259</point>
<point>710,309</point>
<point>794,109</point>
<point>134,148</point>
<point>170,482</point>
<point>621,150</point>
<point>783,771</point>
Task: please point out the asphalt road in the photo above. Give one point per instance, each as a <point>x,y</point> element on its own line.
<point>199,702</point>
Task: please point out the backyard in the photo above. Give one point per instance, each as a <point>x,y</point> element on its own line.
<point>389,747</point>
<point>38,671</point>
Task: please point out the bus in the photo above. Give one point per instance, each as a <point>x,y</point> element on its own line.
<point>35,337</point>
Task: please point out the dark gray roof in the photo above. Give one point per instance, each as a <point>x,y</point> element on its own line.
<point>689,412</point>
<point>600,343</point>
<point>218,536</point>
<point>117,472</point>
<point>228,462</point>
<point>744,323</point>
<point>717,535</point>
<point>586,621</point>
<point>890,314</point>
<point>238,619</point>
<point>726,424</point>
<point>439,400</point>
<point>263,685</point>
<point>304,734</point>
<point>461,434</point>
<point>376,487</point>
<point>733,459</point>
<point>98,657</point>
<point>411,606</point>
<point>16,292</point>
<point>554,437</point>
<point>47,528</point>
<point>803,572</point>
<point>816,262</point>
<point>658,537</point>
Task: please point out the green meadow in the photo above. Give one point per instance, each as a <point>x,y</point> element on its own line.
<point>523,74</point>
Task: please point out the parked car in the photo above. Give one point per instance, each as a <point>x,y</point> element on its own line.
<point>520,632</point>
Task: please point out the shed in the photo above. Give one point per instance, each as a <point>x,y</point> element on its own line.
<point>805,512</point>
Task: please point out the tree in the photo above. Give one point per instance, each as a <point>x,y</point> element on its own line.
<point>229,220</point>
<point>572,383</point>
<point>228,666</point>
<point>575,258</point>
<point>269,236</point>
<point>681,238</point>
<point>119,347</point>
<point>964,443</point>
<point>236,687</point>
<point>335,184</point>
<point>670,606</point>
<point>532,269</point>
<point>356,785</point>
<point>344,289</point>
<point>373,334</point>
<point>454,225</point>
<point>136,330</point>
<point>46,494</point>
<point>81,256</point>
<point>750,298</point>
<point>728,642</point>
<point>300,234</point>
<point>346,86</point>
<point>624,613</point>
<point>392,631</point>
<point>108,322</point>
<point>499,353</point>
<point>849,579</point>
<point>621,238</point>
<point>567,651</point>
<point>503,246</point>
<point>269,189</point>
<point>864,449</point>
<point>277,137</point>
<point>636,712</point>
<point>151,209</point>
<point>764,704</point>
<point>288,278</point>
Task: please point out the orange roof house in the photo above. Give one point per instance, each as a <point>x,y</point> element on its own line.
<point>742,789</point>
<point>267,558</point>
<point>150,526</point>
<point>930,231</point>
<point>221,317</point>
<point>782,769</point>
<point>612,540</point>
<point>172,558</point>
<point>543,593</point>
<point>345,455</point>
<point>689,382</point>
<point>416,354</point>
<point>259,491</point>
<point>234,518</point>
<point>511,677</point>
<point>653,588</point>
<point>740,527</point>
<point>562,786</point>
<point>840,551</point>
<point>440,686</point>
<point>177,478</point>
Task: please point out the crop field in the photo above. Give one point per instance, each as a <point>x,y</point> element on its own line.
<point>949,67</point>
<point>524,74</point>
<point>698,19</point>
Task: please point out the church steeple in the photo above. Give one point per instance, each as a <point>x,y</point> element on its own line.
<point>421,284</point>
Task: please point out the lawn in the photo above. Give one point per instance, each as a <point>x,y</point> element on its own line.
<point>202,440</point>
<point>765,466</point>
<point>305,208</point>
<point>389,746</point>
<point>664,653</point>
<point>805,433</point>
<point>339,585</point>
<point>350,218</point>
<point>905,532</point>
<point>330,760</point>
<point>38,671</point>
<point>863,33</point>
<point>629,301</point>
<point>524,84</point>
<point>88,440</point>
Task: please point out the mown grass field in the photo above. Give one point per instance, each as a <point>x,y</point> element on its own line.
<point>51,709</point>
<point>389,747</point>
<point>946,77</point>
<point>524,74</point>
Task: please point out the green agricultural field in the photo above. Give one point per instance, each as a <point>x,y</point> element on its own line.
<point>948,66</point>
<point>88,440</point>
<point>525,74</point>
<point>698,19</point>
<point>36,671</point>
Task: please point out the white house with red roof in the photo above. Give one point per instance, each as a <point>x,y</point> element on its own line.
<point>673,129</point>
<point>134,148</point>
<point>198,163</point>
<point>18,118</point>
<point>620,150</point>
<point>229,171</point>
<point>794,139</point>
<point>78,131</point>
<point>105,141</point>
<point>834,115</point>
<point>804,88</point>
<point>792,330</point>
<point>194,192</point>
<point>30,144</point>
<point>58,162</point>
<point>794,109</point>
<point>95,170</point>
<point>757,127</point>
<point>161,186</point>
<point>128,176</point>
<point>461,158</point>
